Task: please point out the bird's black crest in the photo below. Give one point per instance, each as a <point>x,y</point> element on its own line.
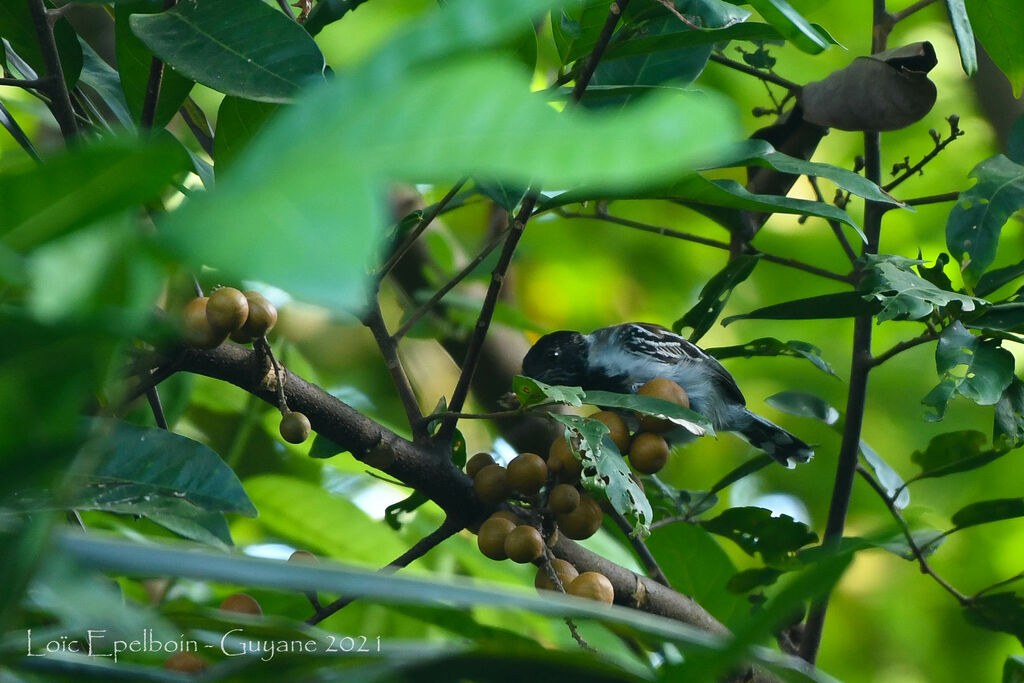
<point>558,358</point>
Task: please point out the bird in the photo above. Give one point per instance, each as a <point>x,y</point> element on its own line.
<point>622,358</point>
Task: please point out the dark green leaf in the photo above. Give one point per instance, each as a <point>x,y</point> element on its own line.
<point>749,579</point>
<point>974,224</point>
<point>605,470</point>
<point>999,27</point>
<point>769,346</point>
<point>101,78</point>
<point>936,274</point>
<point>678,502</point>
<point>998,612</point>
<point>803,404</point>
<point>953,452</point>
<point>758,462</point>
<point>841,305</point>
<point>978,370</point>
<point>792,25</point>
<point>890,480</point>
<point>131,464</point>
<point>179,516</point>
<point>269,61</point>
<point>964,35</point>
<point>577,27</point>
<point>905,295</point>
<point>1000,317</point>
<point>81,186</point>
<point>531,392</point>
<point>17,29</point>
<point>505,196</point>
<point>393,512</point>
<point>1015,143</point>
<point>1008,425</point>
<point>324,448</point>
<point>238,122</point>
<point>692,421</point>
<point>994,279</point>
<point>714,296</point>
<point>756,530</point>
<point>1013,669</point>
<point>987,511</point>
<point>134,63</point>
<point>747,30</point>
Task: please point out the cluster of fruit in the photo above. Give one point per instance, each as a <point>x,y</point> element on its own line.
<point>545,491</point>
<point>207,321</point>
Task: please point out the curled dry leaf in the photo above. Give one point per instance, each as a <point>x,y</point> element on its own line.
<point>886,91</point>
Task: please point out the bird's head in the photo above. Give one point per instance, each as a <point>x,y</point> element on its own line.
<point>558,358</point>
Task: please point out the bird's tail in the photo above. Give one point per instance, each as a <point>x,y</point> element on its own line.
<point>775,441</point>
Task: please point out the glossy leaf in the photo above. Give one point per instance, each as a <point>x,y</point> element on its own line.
<point>605,470</point>
<point>17,28</point>
<point>905,295</point>
<point>757,530</point>
<point>269,61</point>
<point>840,305</point>
<point>690,420</point>
<point>530,392</point>
<point>994,279</point>
<point>803,404</point>
<point>978,370</point>
<point>792,25</point>
<point>953,452</point>
<point>746,30</point>
<point>769,346</point>
<point>987,511</point>
<point>974,224</point>
<point>999,27</point>
<point>104,80</point>
<point>891,481</point>
<point>714,296</point>
<point>964,35</point>
<point>576,28</point>
<point>998,612</point>
<point>238,122</point>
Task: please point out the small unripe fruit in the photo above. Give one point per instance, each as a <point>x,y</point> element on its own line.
<point>227,309</point>
<point>563,461</point>
<point>593,585</point>
<point>666,390</point>
<point>491,539</point>
<point>294,427</point>
<point>566,573</point>
<point>524,544</point>
<point>491,484</point>
<point>478,462</point>
<point>242,603</point>
<point>262,316</point>
<point>185,662</point>
<point>649,453</point>
<point>196,329</point>
<point>563,499</point>
<point>617,430</point>
<point>583,522</point>
<point>304,556</point>
<point>527,473</point>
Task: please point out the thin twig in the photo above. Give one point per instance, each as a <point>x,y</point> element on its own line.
<point>615,11</point>
<point>27,83</point>
<point>60,98</point>
<point>933,199</point>
<point>927,336</point>
<point>903,14</point>
<point>262,346</point>
<point>415,233</point>
<point>756,73</point>
<point>153,396</point>
<point>449,286</point>
<point>389,350</point>
<point>918,554</point>
<point>916,168</point>
<point>642,551</point>
<point>837,229</point>
<point>549,571</point>
<point>448,528</point>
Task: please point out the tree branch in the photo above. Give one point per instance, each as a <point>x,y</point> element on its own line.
<point>954,133</point>
<point>933,199</point>
<point>904,13</point>
<point>924,338</point>
<point>615,11</point>
<point>756,73</point>
<point>415,233</point>
<point>641,549</point>
<point>54,86</point>
<point>837,229</point>
<point>389,349</point>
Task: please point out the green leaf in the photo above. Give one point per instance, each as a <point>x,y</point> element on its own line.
<point>505,196</point>
<point>83,185</point>
<point>105,81</point>
<point>17,28</point>
<point>746,30</point>
<point>324,448</point>
<point>953,452</point>
<point>269,61</point>
<point>978,370</point>
<point>803,404</point>
<point>715,295</point>
<point>131,465</point>
<point>690,420</point>
<point>1008,424</point>
<point>530,392</point>
<point>792,25</point>
<point>576,28</point>
<point>749,579</point>
<point>769,346</point>
<point>987,511</point>
<point>1015,143</point>
<point>840,305</point>
<point>997,612</point>
<point>926,540</point>
<point>756,530</point>
<point>994,279</point>
<point>411,504</point>
<point>606,471</point>
<point>964,35</point>
<point>974,224</point>
<point>999,27</point>
<point>238,122</point>
<point>134,62</point>
<point>1013,669</point>
<point>890,480</point>
<point>904,294</point>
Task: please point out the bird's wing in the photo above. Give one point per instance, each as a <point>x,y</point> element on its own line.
<point>667,347</point>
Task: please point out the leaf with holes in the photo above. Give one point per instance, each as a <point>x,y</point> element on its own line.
<point>976,369</point>
<point>904,294</point>
<point>532,392</point>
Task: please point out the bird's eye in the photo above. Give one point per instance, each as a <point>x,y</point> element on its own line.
<point>556,353</point>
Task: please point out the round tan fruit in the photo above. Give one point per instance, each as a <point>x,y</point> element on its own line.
<point>294,427</point>
<point>527,473</point>
<point>262,316</point>
<point>618,432</point>
<point>524,544</point>
<point>491,484</point>
<point>491,538</point>
<point>649,453</point>
<point>227,309</point>
<point>185,662</point>
<point>509,515</point>
<point>196,329</point>
<point>593,585</point>
<point>666,390</point>
<point>563,499</point>
<point>242,603</point>
<point>563,462</point>
<point>304,556</point>
<point>583,522</point>
<point>478,462</point>
<point>566,573</point>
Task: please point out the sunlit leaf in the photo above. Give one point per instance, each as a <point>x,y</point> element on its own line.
<point>999,27</point>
